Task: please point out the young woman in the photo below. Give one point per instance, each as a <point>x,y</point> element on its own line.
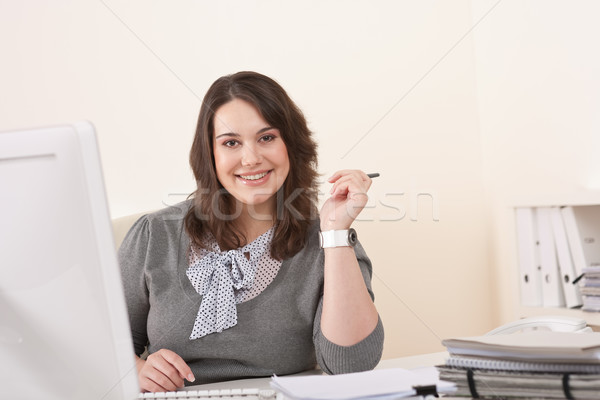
<point>246,279</point>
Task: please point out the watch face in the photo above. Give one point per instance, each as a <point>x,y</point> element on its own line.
<point>352,237</point>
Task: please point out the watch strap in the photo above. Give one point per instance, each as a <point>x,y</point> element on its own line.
<point>338,238</point>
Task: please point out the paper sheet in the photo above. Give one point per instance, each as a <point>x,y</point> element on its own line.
<point>381,384</point>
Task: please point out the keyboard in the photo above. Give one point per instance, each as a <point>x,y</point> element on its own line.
<point>232,394</point>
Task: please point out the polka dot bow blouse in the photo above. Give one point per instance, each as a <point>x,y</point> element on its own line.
<point>226,278</point>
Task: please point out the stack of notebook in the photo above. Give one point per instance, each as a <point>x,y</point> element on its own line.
<point>590,289</point>
<point>538,364</point>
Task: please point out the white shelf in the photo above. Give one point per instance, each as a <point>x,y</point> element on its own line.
<point>556,199</point>
<point>592,318</point>
<point>575,199</point>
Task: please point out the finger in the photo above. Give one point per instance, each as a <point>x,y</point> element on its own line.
<point>341,187</point>
<point>365,180</point>
<point>148,385</point>
<point>176,361</point>
<point>339,174</point>
<point>162,372</point>
<point>343,172</point>
<point>350,184</point>
<point>156,381</point>
<point>349,194</point>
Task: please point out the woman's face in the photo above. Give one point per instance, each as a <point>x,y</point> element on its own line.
<point>251,158</point>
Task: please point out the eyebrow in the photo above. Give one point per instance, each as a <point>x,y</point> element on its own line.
<point>232,134</point>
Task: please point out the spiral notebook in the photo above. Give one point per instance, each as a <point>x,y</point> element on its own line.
<point>524,366</point>
<point>535,346</point>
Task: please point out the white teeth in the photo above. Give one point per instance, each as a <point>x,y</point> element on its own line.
<point>254,177</point>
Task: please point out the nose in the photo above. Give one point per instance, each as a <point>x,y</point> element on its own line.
<point>250,156</point>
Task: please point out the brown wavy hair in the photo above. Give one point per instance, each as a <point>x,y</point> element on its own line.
<point>213,207</point>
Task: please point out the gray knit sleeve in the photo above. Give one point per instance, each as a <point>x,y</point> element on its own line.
<point>132,260</point>
<point>362,356</point>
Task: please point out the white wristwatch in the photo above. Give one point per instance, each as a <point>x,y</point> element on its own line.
<point>342,238</point>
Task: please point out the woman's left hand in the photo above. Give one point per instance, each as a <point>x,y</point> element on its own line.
<point>348,198</point>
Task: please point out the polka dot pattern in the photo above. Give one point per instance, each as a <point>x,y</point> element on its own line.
<point>226,278</point>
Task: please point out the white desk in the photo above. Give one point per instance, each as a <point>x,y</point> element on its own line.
<point>423,360</point>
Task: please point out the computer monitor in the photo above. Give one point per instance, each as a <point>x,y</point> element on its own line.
<point>64,331</point>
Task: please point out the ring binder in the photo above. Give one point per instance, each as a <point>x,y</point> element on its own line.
<point>565,385</point>
<point>471,383</point>
<point>426,390</point>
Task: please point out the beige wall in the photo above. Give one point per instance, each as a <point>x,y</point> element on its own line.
<point>538,96</point>
<point>447,100</point>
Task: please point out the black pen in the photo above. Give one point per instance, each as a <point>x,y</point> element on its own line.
<point>373,175</point>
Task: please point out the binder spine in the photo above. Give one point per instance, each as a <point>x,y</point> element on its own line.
<point>552,292</point>
<point>530,277</point>
<point>565,263</point>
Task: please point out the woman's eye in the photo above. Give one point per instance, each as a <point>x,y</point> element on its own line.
<point>267,138</point>
<point>230,143</point>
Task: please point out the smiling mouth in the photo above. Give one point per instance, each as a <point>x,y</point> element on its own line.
<point>254,177</point>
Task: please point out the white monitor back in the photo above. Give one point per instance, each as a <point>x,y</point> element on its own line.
<point>64,332</point>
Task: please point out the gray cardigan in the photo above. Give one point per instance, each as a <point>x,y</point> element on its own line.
<point>278,332</point>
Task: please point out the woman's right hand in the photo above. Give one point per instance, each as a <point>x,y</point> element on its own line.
<point>163,371</point>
